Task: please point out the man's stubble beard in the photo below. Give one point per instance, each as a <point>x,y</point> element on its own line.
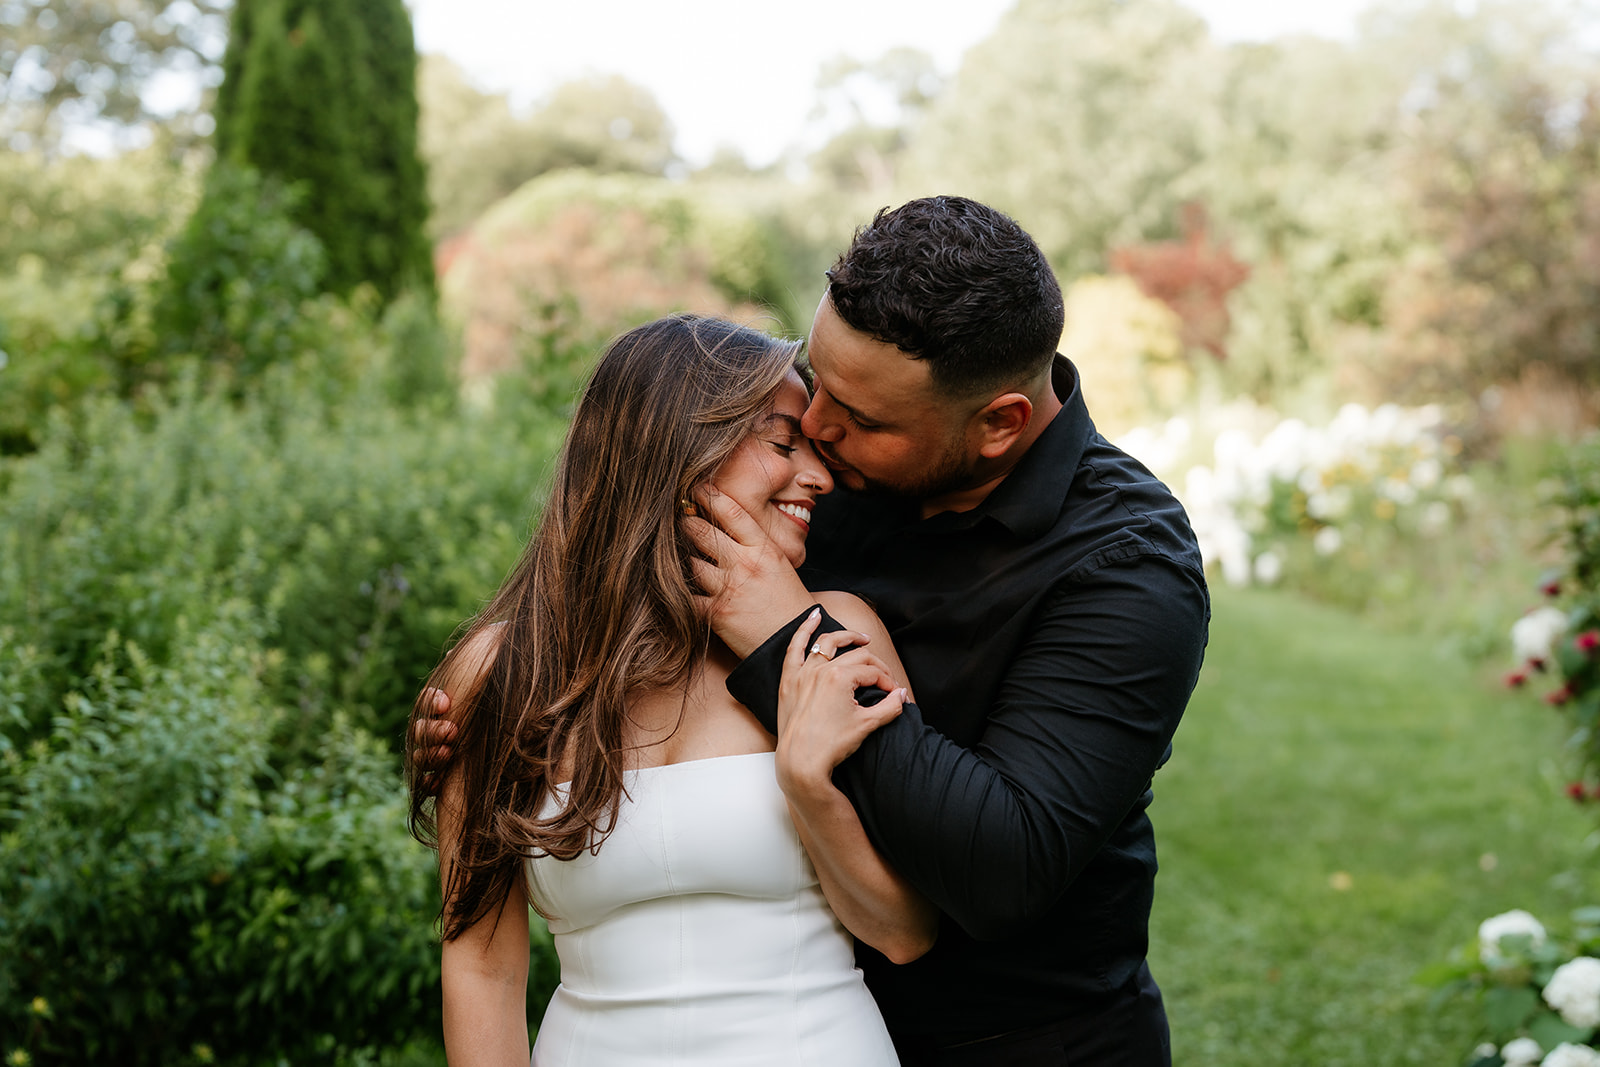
<point>952,472</point>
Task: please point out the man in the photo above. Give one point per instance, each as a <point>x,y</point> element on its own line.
<point>1047,598</point>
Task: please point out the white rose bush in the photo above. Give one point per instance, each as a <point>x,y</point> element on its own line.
<point>1574,992</point>
<point>1559,640</point>
<point>1279,500</point>
<point>1541,994</point>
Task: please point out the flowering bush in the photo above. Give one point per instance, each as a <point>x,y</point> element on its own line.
<point>1286,497</point>
<point>1540,996</point>
<point>1561,638</point>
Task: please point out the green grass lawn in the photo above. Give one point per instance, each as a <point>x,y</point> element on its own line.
<point>1343,806</point>
<point>1320,752</point>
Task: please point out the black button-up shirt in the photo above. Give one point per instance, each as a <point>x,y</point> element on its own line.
<point>1053,635</point>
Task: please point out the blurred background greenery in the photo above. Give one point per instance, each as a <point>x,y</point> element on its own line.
<point>282,375</point>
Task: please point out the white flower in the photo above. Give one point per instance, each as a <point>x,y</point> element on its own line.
<point>1534,635</point>
<point>1435,518</point>
<point>1572,1056</point>
<point>1330,504</point>
<point>1506,924</point>
<point>1523,1052</point>
<point>1574,991</point>
<point>1268,568</point>
<point>1327,541</point>
<point>1426,472</point>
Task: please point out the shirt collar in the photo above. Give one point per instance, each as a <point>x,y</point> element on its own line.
<point>1028,500</point>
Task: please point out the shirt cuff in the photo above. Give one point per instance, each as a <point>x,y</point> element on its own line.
<point>754,683</point>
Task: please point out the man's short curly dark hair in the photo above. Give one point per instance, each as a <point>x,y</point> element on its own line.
<point>956,283</point>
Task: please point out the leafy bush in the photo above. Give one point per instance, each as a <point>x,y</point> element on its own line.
<point>576,255</point>
<point>173,896</point>
<point>1334,509</point>
<point>238,274</point>
<point>79,238</point>
<point>1563,636</point>
<point>1540,996</point>
<point>191,787</point>
<point>368,532</point>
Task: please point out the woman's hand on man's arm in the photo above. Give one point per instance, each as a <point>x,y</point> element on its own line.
<point>820,723</point>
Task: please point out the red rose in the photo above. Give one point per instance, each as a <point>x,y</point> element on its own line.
<point>1517,679</point>
<point>1587,641</point>
<point>1558,697</point>
<point>1576,791</point>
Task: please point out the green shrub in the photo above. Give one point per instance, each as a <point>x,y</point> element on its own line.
<point>324,94</point>
<point>1570,646</point>
<point>238,274</point>
<point>172,896</point>
<point>370,533</point>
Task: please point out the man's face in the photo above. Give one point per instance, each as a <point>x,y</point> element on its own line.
<point>876,419</point>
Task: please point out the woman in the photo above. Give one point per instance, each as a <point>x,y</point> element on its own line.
<point>604,775</point>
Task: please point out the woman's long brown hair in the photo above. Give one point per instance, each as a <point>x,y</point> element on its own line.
<point>599,605</point>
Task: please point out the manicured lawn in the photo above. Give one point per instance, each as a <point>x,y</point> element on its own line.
<point>1343,806</point>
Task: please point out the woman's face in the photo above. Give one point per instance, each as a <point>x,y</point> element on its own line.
<point>776,475</point>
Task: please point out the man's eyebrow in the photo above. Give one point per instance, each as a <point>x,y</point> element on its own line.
<point>858,416</point>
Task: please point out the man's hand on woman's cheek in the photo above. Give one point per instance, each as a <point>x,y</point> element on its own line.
<point>749,587</point>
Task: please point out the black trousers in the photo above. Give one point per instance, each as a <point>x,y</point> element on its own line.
<point>1131,1032</point>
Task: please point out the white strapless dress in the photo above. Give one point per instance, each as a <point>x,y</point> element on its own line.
<point>698,935</point>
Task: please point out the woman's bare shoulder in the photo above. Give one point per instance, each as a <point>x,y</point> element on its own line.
<point>468,663</point>
<point>858,615</point>
<point>850,610</point>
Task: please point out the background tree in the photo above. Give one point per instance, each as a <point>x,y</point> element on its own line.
<point>1040,122</point>
<point>72,62</point>
<point>875,106</point>
<point>1502,162</point>
<point>324,94</point>
<point>479,150</point>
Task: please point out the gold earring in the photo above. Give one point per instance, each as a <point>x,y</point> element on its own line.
<point>686,506</point>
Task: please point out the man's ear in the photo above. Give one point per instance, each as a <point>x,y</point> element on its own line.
<point>1000,422</point>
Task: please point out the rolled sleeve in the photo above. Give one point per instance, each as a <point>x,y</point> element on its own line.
<point>1084,717</point>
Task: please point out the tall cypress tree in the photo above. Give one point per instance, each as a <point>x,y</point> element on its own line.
<point>323,92</point>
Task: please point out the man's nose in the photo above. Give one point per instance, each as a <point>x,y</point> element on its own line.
<point>817,423</point>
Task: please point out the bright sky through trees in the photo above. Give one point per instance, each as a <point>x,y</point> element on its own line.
<point>742,72</point>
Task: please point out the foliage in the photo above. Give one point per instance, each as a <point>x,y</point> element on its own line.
<point>853,96</point>
<point>573,254</point>
<point>1344,510</point>
<point>1523,982</point>
<point>1193,277</point>
<point>1564,636</point>
<point>80,237</point>
<point>1060,85</point>
<point>369,531</point>
<point>237,276</point>
<point>228,775</point>
<point>1504,166</point>
<point>172,895</point>
<point>1127,348</point>
<point>478,150</point>
<point>69,62</point>
<point>324,94</point>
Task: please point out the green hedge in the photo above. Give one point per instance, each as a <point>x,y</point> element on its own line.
<point>215,609</point>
